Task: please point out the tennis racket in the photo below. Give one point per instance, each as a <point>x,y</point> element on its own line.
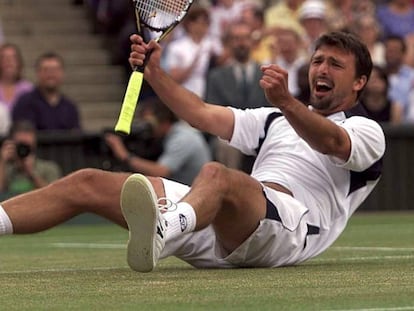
<point>156,17</point>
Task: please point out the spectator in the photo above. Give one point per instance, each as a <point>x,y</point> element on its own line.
<point>340,14</point>
<point>188,58</point>
<point>253,15</point>
<point>20,169</point>
<point>397,19</point>
<point>376,101</point>
<point>401,76</point>
<point>184,149</point>
<point>12,83</point>
<point>223,13</point>
<point>4,120</point>
<point>363,8</point>
<point>368,29</point>
<point>284,14</point>
<point>225,84</point>
<point>236,85</point>
<point>46,106</point>
<point>108,16</point>
<point>303,84</point>
<point>290,57</point>
<point>312,16</point>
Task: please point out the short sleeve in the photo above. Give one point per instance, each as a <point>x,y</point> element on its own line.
<point>367,143</point>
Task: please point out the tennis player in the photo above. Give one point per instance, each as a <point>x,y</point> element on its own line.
<point>315,165</point>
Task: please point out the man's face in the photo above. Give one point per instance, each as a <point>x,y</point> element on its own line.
<point>394,53</point>
<point>9,62</point>
<point>314,27</point>
<point>241,42</point>
<point>199,26</point>
<point>333,81</point>
<point>376,84</point>
<point>50,74</point>
<point>25,137</point>
<point>288,43</point>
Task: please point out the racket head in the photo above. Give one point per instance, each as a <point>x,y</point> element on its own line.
<point>160,15</point>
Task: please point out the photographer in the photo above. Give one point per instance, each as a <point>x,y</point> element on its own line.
<point>185,150</point>
<point>20,169</point>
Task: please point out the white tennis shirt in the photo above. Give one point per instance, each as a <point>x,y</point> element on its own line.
<point>328,187</point>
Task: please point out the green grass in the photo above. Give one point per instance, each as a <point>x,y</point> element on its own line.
<point>83,267</point>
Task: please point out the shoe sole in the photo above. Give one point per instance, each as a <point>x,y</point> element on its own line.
<point>137,205</point>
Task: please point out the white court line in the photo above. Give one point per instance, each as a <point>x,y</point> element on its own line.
<point>340,248</point>
<point>62,270</point>
<point>373,248</point>
<point>342,259</point>
<point>362,258</point>
<point>89,245</point>
<point>346,248</point>
<point>378,309</point>
<point>321,260</point>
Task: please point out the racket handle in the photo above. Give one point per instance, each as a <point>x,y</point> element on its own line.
<point>126,115</point>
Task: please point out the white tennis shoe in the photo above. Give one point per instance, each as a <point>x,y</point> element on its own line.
<point>147,226</point>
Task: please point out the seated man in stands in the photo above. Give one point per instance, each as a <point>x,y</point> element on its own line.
<point>20,169</point>
<point>46,106</point>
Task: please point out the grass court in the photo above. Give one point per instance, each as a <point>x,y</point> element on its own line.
<point>83,267</point>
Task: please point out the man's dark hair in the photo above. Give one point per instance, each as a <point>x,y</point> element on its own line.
<point>383,76</point>
<point>195,13</point>
<point>159,109</point>
<point>49,55</point>
<point>22,126</point>
<point>350,43</point>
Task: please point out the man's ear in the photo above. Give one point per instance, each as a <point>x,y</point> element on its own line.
<point>360,83</point>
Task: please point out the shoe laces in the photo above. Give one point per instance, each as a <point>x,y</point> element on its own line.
<point>168,206</point>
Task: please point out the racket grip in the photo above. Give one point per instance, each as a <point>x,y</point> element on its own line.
<point>126,115</point>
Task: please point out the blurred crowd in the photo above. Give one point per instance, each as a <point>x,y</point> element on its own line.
<point>282,32</point>
<point>216,52</point>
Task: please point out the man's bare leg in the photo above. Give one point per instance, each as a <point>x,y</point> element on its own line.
<point>230,200</point>
<point>88,190</point>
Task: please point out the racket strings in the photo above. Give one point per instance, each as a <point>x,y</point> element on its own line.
<point>161,14</point>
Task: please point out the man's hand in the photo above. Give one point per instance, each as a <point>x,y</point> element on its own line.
<point>27,163</point>
<point>140,50</point>
<point>117,146</point>
<point>7,151</point>
<point>275,85</point>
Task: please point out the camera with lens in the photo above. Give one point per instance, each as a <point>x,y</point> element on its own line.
<point>23,150</point>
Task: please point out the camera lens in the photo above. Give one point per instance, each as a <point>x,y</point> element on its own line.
<point>22,150</point>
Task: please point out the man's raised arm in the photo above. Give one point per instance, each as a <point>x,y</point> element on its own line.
<point>213,119</point>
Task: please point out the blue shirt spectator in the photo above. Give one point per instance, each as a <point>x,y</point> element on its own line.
<point>35,108</point>
<point>46,106</point>
<point>401,76</point>
<point>396,19</point>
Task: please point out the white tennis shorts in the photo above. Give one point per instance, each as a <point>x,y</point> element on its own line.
<point>274,243</point>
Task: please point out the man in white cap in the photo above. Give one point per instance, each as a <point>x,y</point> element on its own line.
<point>312,16</point>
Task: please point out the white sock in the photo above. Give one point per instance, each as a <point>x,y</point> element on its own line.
<point>182,220</point>
<point>6,226</point>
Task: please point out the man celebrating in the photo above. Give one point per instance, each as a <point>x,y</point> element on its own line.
<point>314,167</point>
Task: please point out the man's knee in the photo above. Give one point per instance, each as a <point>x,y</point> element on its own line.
<point>86,176</point>
<point>213,173</point>
<point>83,182</point>
<point>212,170</point>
